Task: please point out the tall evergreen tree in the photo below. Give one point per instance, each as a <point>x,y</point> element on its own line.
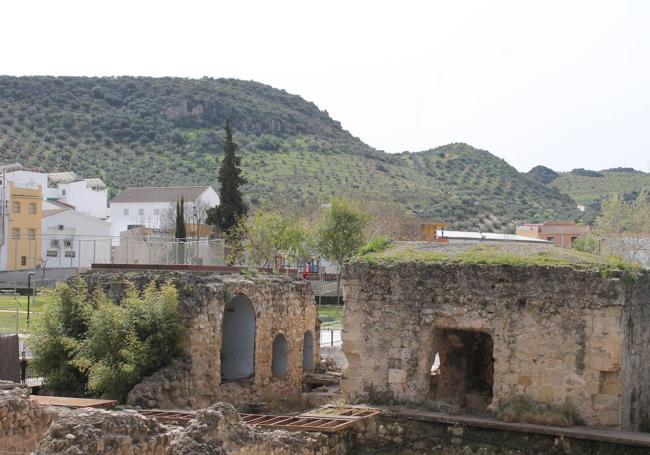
<point>231,206</point>
<point>181,232</point>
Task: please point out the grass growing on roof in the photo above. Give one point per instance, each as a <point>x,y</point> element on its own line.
<point>499,254</point>
<point>376,244</point>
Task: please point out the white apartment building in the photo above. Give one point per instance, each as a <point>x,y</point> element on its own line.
<point>153,207</point>
<point>24,177</point>
<point>88,196</point>
<point>73,239</point>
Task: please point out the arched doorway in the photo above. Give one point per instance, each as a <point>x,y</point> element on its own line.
<point>308,353</point>
<point>280,361</point>
<point>238,339</point>
<point>465,369</point>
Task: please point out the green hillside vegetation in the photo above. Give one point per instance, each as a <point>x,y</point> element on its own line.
<point>586,190</point>
<point>133,131</point>
<point>542,174</point>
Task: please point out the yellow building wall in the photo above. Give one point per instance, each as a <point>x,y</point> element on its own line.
<point>24,253</point>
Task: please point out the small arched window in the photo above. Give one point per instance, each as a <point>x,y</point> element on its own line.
<point>308,352</point>
<point>280,361</point>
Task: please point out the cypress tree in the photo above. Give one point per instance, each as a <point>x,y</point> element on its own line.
<point>231,206</point>
<point>181,232</point>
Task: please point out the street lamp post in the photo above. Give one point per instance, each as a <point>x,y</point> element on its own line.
<point>29,293</point>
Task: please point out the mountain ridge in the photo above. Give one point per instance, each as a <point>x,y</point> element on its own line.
<point>133,131</point>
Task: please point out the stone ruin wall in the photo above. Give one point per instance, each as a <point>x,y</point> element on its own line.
<point>281,305</point>
<point>635,362</point>
<point>22,422</point>
<point>556,334</point>
<point>27,427</point>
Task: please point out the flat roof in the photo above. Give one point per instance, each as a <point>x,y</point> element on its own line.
<point>490,236</point>
<point>160,194</point>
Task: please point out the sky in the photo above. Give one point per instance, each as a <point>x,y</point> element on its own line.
<point>565,84</point>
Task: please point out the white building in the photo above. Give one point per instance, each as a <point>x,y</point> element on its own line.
<point>71,238</point>
<point>153,207</point>
<point>24,177</point>
<point>88,196</point>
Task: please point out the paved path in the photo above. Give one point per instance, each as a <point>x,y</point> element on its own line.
<point>593,434</point>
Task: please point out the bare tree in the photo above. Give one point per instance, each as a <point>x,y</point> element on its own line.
<point>624,227</point>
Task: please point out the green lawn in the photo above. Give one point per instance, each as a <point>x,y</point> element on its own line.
<point>8,306</point>
<point>330,313</point>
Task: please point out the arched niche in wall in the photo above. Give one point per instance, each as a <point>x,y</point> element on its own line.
<point>308,352</point>
<point>238,339</point>
<point>280,362</point>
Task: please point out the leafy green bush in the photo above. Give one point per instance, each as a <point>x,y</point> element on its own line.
<point>87,344</point>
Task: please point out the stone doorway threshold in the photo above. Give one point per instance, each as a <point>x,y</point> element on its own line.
<point>608,435</point>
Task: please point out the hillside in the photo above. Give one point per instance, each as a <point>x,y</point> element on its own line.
<point>593,186</point>
<point>542,174</point>
<point>146,131</point>
<point>589,188</point>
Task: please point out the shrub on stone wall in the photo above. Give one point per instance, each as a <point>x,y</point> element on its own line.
<point>84,343</point>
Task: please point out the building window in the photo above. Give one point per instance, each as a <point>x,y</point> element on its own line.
<point>23,260</point>
<point>141,212</point>
<point>16,207</point>
<point>15,233</point>
<point>70,254</point>
<point>63,192</point>
<point>52,253</point>
<point>156,211</point>
<point>31,234</point>
<point>573,240</point>
<point>32,208</point>
<point>126,212</point>
<point>550,239</point>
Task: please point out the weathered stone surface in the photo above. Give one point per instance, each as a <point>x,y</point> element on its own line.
<point>281,304</point>
<point>98,432</point>
<point>22,422</point>
<point>218,430</point>
<point>556,334</point>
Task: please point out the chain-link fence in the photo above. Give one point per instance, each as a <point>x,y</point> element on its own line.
<point>51,252</point>
<point>169,251</point>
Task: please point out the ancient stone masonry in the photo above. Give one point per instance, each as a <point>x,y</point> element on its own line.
<point>231,325</point>
<point>498,331</point>
<point>98,432</point>
<point>214,430</point>
<point>22,422</point>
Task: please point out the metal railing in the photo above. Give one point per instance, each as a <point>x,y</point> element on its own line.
<point>330,334</point>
